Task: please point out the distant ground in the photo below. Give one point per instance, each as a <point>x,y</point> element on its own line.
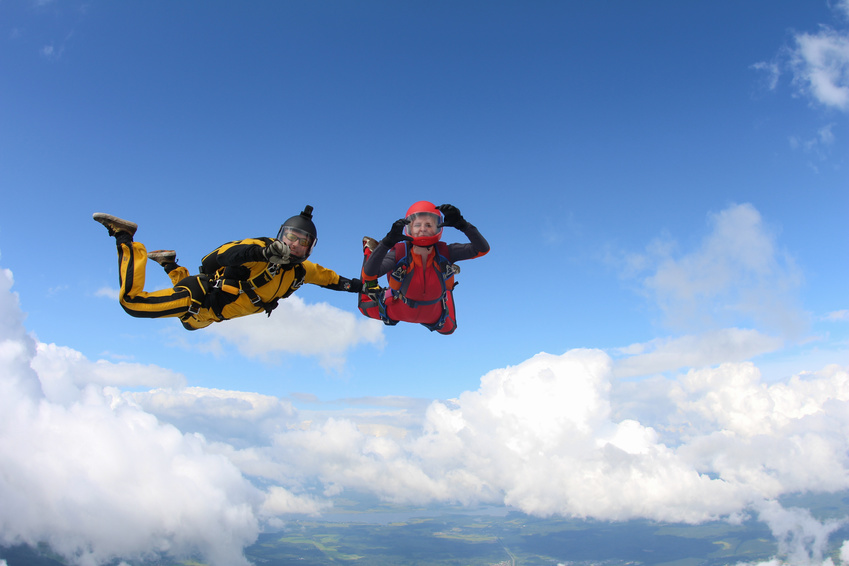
<point>367,532</point>
<point>485,541</point>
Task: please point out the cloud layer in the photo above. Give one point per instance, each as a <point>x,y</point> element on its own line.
<point>101,472</point>
<point>96,477</point>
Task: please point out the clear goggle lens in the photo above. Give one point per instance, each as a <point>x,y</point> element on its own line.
<point>292,236</point>
<point>424,221</point>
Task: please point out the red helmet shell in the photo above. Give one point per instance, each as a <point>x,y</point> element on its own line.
<point>424,207</point>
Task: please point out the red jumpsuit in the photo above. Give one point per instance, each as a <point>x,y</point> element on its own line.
<point>421,294</point>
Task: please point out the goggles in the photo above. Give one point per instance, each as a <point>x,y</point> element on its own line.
<point>289,236</point>
<point>292,236</point>
<point>426,220</point>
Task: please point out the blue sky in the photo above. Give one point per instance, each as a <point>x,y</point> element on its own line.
<point>573,136</point>
<point>663,184</point>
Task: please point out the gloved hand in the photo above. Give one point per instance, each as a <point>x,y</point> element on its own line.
<point>452,217</point>
<point>372,289</point>
<point>276,252</point>
<point>351,285</point>
<point>396,233</point>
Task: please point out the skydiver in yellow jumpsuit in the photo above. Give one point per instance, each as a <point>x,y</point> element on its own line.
<point>237,279</point>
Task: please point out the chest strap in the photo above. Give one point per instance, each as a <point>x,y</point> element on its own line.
<point>249,287</point>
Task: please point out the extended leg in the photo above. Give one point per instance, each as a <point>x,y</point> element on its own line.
<point>132,259</point>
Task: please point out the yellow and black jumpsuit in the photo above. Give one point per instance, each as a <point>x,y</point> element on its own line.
<point>244,284</point>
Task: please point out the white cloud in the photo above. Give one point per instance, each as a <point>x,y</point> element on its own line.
<point>319,330</point>
<point>820,64</point>
<point>838,315</point>
<point>554,435</point>
<point>772,71</point>
<point>97,478</point>
<point>234,417</point>
<point>711,348</point>
<point>281,501</point>
<point>295,327</point>
<point>108,292</point>
<point>64,372</point>
<point>542,437</point>
<point>737,276</point>
<point>802,539</point>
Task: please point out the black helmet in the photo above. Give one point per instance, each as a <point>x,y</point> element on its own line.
<point>299,227</point>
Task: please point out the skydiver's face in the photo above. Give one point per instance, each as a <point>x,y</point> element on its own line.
<point>297,241</point>
<point>423,225</point>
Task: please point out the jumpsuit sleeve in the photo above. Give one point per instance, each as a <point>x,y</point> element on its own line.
<point>380,262</point>
<point>242,252</point>
<point>477,246</point>
<point>329,279</point>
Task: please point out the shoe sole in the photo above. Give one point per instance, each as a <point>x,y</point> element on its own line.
<point>162,257</point>
<point>115,224</point>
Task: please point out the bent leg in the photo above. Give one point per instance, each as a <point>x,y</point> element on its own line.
<point>450,323</point>
<point>132,260</point>
<point>178,274</point>
<point>369,303</point>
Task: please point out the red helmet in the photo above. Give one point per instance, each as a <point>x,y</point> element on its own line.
<point>427,213</point>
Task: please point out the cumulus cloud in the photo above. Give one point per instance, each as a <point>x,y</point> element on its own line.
<point>234,417</point>
<point>738,275</point>
<point>802,539</point>
<point>63,373</point>
<point>295,327</point>
<point>97,478</point>
<point>711,348</point>
<point>101,474</point>
<point>542,437</point>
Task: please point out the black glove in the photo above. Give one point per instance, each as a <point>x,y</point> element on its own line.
<point>350,285</point>
<point>276,252</point>
<point>452,217</point>
<point>396,234</point>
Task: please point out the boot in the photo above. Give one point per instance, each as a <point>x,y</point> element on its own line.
<point>369,244</point>
<point>115,225</point>
<point>163,257</point>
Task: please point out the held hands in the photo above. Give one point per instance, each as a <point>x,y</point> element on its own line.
<point>396,233</point>
<point>276,252</point>
<point>372,289</point>
<point>351,285</point>
<point>452,217</point>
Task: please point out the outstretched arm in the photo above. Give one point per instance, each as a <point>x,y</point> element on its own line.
<point>329,279</point>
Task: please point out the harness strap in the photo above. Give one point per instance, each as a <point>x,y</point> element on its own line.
<point>442,318</point>
<point>249,288</point>
<point>400,281</point>
<point>205,289</point>
<point>415,304</point>
<point>198,287</point>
